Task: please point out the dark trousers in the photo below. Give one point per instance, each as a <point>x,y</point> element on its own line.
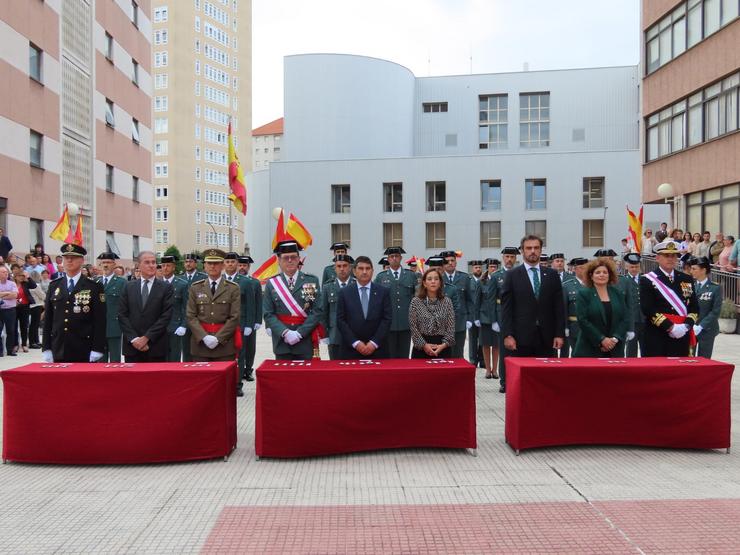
<point>145,357</point>
<point>23,315</point>
<point>459,347</point>
<point>659,344</point>
<point>399,343</point>
<point>33,331</point>
<point>705,344</point>
<point>112,349</point>
<point>475,353</point>
<point>8,321</point>
<point>334,352</point>
<point>638,341</point>
<point>175,349</point>
<point>186,356</point>
<point>538,347</point>
<point>246,355</point>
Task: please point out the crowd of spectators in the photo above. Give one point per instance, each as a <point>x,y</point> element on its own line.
<point>723,250</point>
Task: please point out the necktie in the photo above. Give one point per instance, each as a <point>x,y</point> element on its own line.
<point>70,285</point>
<point>395,274</point>
<point>342,284</point>
<point>213,288</point>
<point>364,300</point>
<point>145,293</point>
<point>536,281</point>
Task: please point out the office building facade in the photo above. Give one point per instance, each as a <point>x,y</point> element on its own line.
<point>267,144</point>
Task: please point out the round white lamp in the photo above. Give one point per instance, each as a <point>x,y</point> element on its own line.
<point>665,190</point>
<point>276,212</point>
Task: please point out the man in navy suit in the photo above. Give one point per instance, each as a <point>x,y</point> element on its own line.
<point>532,307</point>
<point>364,315</point>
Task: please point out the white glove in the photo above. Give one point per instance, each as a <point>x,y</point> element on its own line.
<point>179,332</point>
<point>630,335</point>
<point>468,325</point>
<point>210,341</point>
<point>95,356</point>
<point>292,337</point>
<point>678,331</point>
<point>47,356</point>
<point>268,331</point>
<point>247,332</point>
<point>495,327</point>
<point>257,326</point>
<point>697,329</point>
<point>477,323</point>
<point>324,341</point>
<point>567,332</point>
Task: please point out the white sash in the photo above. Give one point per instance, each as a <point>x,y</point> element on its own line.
<point>286,297</point>
<point>668,294</point>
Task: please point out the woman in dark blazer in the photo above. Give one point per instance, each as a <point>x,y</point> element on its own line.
<point>602,312</point>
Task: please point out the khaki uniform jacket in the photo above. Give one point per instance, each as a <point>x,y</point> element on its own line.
<point>221,308</point>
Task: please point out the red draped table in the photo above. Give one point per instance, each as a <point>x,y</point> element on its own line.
<point>325,407</point>
<point>658,402</point>
<point>119,413</point>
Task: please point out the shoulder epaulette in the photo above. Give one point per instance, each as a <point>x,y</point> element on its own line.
<point>199,281</point>
<point>232,283</point>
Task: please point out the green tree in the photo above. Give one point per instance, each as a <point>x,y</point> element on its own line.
<point>172,250</point>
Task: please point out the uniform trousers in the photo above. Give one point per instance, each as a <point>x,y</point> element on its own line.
<point>246,355</point>
<point>174,352</point>
<point>638,341</point>
<point>399,343</point>
<point>112,349</point>
<point>334,352</point>
<point>459,347</point>
<point>705,344</point>
<point>659,344</point>
<point>475,352</point>
<point>186,356</point>
<point>145,357</point>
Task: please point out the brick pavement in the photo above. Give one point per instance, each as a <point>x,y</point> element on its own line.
<point>562,499</point>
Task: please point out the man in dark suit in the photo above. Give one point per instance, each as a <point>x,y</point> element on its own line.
<point>144,313</point>
<point>364,314</point>
<point>532,308</point>
<point>74,314</point>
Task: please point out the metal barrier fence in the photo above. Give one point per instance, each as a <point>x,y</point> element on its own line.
<point>728,281</point>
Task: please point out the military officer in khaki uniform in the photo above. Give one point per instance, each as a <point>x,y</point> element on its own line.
<point>213,312</point>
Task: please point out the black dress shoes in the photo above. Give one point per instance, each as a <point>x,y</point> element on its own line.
<point>502,389</point>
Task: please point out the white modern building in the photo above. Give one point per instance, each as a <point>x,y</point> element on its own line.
<point>375,156</point>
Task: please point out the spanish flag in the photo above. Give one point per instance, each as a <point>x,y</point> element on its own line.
<point>269,269</point>
<point>634,225</point>
<point>76,239</point>
<point>62,229</point>
<point>238,194</point>
<point>298,232</point>
<point>280,233</point>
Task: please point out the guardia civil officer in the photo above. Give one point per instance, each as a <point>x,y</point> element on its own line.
<point>475,351</point>
<point>178,321</point>
<point>330,298</point>
<point>337,248</point>
<point>251,317</point>
<point>629,284</point>
<point>571,287</point>
<point>113,288</point>
<point>509,258</point>
<point>191,275</point>
<point>74,313</point>
<point>709,297</point>
<point>402,284</point>
<point>466,308</point>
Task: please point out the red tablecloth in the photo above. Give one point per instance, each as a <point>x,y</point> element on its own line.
<point>119,413</point>
<point>659,402</point>
<point>326,407</point>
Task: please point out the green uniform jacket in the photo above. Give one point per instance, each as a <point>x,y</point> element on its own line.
<point>465,308</point>
<point>401,290</point>
<point>329,273</point>
<point>179,304</point>
<point>113,292</point>
<point>709,296</point>
<point>329,300</point>
<point>454,294</point>
<point>221,308</point>
<point>631,291</point>
<point>571,288</point>
<point>272,307</point>
<point>592,321</point>
<point>487,306</point>
<point>499,275</point>
<point>251,292</point>
<point>197,276</point>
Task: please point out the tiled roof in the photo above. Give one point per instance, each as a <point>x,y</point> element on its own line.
<point>272,128</point>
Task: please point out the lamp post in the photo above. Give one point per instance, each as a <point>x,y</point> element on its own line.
<point>665,191</point>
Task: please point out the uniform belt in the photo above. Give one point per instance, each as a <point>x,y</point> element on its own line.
<point>572,318</point>
<point>215,328</point>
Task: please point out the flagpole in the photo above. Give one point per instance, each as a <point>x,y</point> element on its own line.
<point>231,229</point>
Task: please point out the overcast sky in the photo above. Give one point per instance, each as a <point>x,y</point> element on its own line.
<point>437,37</point>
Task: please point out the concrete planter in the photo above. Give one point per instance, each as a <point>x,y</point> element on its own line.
<point>727,325</point>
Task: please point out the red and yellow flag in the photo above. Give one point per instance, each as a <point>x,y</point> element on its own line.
<point>280,233</point>
<point>76,239</point>
<point>269,269</point>
<point>634,224</point>
<point>298,232</point>
<point>238,195</point>
<point>62,229</point>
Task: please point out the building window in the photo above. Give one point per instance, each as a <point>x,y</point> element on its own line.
<point>493,117</point>
<point>197,152</point>
<point>161,193</point>
<point>135,72</point>
<point>161,148</point>
<point>490,195</point>
<point>593,192</point>
<point>161,103</point>
<point>136,249</point>
<point>538,228</point>
<point>161,169</point>
<point>161,125</point>
<point>36,147</point>
<point>197,217</point>
<point>340,233</point>
<point>135,131</point>
<point>110,119</point>
<point>436,196</point>
<point>534,119</point>
<point>161,14</point>
<point>197,195</point>
<point>161,59</point>
<point>340,199</point>
<point>109,47</point>
<point>109,186</point>
<point>135,13</point>
<point>135,188</point>
<point>197,236</point>
<point>161,214</point>
<point>431,107</point>
<point>593,233</point>
<point>490,235</point>
<point>436,235</point>
<point>392,196</point>
<point>34,62</point>
<point>197,173</point>
<point>536,194</point>
<point>392,235</point>
<point>703,116</point>
<point>715,209</point>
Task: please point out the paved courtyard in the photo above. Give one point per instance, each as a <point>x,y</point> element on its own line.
<point>556,500</point>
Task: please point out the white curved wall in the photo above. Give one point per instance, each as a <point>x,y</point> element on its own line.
<point>343,107</point>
